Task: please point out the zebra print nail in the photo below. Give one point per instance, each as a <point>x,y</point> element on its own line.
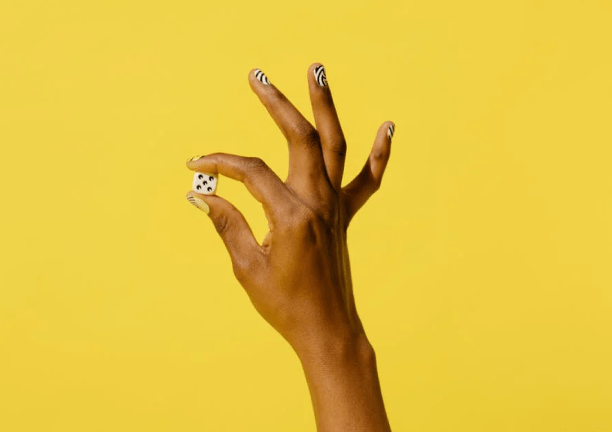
<point>320,76</point>
<point>199,204</point>
<point>262,77</point>
<point>391,131</point>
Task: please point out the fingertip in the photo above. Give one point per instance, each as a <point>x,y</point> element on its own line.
<point>385,133</point>
<point>312,68</point>
<point>390,130</point>
<point>317,75</point>
<point>198,201</point>
<point>258,78</point>
<point>190,161</point>
<point>381,149</point>
<point>252,79</point>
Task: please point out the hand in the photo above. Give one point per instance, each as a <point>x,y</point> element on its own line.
<point>299,278</point>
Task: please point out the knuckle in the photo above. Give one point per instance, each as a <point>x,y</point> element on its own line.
<point>276,97</point>
<point>222,225</point>
<point>376,182</point>
<point>308,217</point>
<point>256,164</point>
<point>243,268</point>
<point>309,225</point>
<point>304,131</point>
<point>304,223</point>
<point>329,213</point>
<point>297,219</point>
<point>311,137</point>
<point>339,148</point>
<point>380,154</point>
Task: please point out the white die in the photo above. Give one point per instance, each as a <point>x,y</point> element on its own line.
<point>204,183</point>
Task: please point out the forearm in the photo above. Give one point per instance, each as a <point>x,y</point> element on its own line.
<point>344,387</point>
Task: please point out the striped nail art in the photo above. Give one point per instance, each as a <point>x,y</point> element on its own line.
<point>262,77</point>
<point>320,76</point>
<point>199,204</point>
<point>391,131</point>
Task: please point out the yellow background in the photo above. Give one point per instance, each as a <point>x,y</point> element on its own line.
<point>482,267</point>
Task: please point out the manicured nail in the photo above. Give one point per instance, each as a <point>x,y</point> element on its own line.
<point>195,158</point>
<point>391,131</point>
<point>199,203</point>
<point>262,77</point>
<point>320,76</point>
<point>204,183</point>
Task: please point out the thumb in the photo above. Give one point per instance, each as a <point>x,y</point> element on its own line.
<point>233,230</point>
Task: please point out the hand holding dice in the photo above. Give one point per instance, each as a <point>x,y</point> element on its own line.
<point>298,278</point>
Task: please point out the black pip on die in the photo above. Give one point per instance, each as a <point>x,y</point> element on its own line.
<point>204,183</point>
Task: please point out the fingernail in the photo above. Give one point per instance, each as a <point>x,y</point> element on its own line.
<point>262,77</point>
<point>199,203</point>
<point>391,131</point>
<point>204,183</point>
<point>195,158</point>
<point>320,76</point>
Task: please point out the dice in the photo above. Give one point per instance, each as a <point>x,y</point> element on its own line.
<point>204,183</point>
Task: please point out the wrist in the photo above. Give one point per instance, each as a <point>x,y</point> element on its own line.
<point>343,382</point>
<point>337,351</point>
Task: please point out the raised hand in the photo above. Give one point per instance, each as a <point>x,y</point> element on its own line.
<point>299,278</point>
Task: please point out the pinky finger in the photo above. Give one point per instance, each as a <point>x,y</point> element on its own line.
<point>368,181</point>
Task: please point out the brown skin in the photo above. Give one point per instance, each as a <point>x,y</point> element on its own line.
<point>299,278</point>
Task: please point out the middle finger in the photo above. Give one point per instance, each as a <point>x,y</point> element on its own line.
<point>306,165</point>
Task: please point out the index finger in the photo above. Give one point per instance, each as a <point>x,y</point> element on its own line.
<point>259,179</point>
